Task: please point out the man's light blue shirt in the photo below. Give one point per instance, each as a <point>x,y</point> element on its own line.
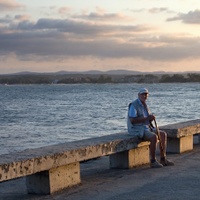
<point>133,112</point>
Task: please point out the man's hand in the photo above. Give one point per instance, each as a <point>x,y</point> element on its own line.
<point>151,117</point>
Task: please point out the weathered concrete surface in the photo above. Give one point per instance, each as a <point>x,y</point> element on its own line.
<point>130,159</point>
<point>48,182</point>
<point>180,135</point>
<point>182,129</point>
<point>180,145</point>
<point>99,182</point>
<point>45,158</point>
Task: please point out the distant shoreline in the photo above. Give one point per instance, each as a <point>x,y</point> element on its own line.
<point>57,78</point>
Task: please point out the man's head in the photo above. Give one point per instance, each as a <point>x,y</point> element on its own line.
<point>143,94</point>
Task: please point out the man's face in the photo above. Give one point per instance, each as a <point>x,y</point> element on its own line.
<point>143,97</point>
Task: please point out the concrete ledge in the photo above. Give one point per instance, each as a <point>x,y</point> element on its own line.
<point>53,180</point>
<point>180,135</point>
<point>132,158</point>
<point>179,145</point>
<point>52,168</point>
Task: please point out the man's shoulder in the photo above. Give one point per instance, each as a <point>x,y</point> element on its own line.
<point>133,103</point>
<point>136,102</point>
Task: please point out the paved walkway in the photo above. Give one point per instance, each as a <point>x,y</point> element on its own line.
<point>181,181</point>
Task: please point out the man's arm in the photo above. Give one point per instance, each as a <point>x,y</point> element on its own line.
<point>137,120</point>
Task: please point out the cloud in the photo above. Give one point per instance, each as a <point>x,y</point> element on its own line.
<point>192,17</point>
<point>77,27</point>
<point>115,17</point>
<point>22,17</point>
<point>137,10</point>
<point>6,5</point>
<point>58,39</point>
<point>55,46</point>
<point>154,10</point>
<point>64,10</point>
<point>49,37</point>
<point>6,20</point>
<point>9,20</point>
<point>158,10</point>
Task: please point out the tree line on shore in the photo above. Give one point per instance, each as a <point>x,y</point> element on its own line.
<point>98,78</point>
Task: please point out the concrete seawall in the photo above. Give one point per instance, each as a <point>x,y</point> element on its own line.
<point>99,182</point>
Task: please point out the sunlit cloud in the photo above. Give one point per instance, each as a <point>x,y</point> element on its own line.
<point>6,5</point>
<point>116,17</point>
<point>64,10</point>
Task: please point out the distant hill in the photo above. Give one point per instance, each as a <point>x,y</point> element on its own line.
<point>95,76</point>
<point>110,72</point>
<point>96,72</point>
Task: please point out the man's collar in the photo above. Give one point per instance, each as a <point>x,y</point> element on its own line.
<point>140,101</point>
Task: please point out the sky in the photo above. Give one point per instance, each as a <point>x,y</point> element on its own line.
<point>72,35</point>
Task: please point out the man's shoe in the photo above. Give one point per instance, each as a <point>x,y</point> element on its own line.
<point>156,164</point>
<point>166,162</point>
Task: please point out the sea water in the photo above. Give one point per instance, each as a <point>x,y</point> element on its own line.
<point>33,116</point>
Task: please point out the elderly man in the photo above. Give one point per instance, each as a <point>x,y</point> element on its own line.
<point>139,124</point>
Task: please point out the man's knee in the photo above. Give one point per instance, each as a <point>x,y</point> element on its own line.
<point>154,138</point>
